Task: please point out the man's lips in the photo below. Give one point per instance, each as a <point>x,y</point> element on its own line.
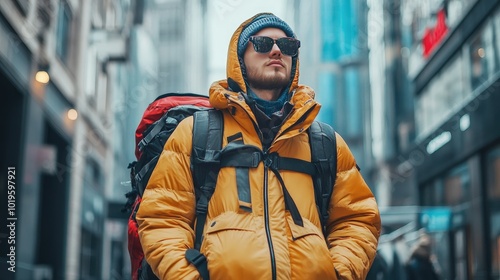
<point>275,63</point>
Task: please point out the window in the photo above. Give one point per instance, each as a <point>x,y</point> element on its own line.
<point>102,91</point>
<point>482,57</point>
<point>457,186</point>
<point>443,95</point>
<point>339,16</point>
<point>117,256</point>
<point>93,175</point>
<point>92,221</point>
<point>461,241</point>
<point>353,103</point>
<point>90,259</point>
<point>171,80</point>
<point>341,101</point>
<point>442,251</point>
<point>172,23</point>
<point>433,193</point>
<point>452,189</point>
<point>496,37</point>
<point>63,31</point>
<point>328,98</point>
<point>92,70</point>
<point>493,181</point>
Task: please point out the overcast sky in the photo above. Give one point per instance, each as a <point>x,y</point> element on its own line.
<point>224,17</point>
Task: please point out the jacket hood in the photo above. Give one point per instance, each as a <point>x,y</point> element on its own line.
<point>221,95</point>
<point>235,77</point>
<point>305,108</point>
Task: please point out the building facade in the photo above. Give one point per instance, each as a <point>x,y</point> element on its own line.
<point>457,95</point>
<point>163,57</point>
<point>439,63</point>
<point>76,76</point>
<point>58,64</point>
<point>424,130</point>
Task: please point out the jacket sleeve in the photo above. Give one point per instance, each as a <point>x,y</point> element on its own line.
<point>353,227</point>
<point>167,211</point>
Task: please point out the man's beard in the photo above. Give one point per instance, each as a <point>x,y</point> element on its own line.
<point>261,81</point>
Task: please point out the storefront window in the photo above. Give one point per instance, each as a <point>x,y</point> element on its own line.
<point>482,56</point>
<point>452,189</point>
<point>461,251</point>
<point>443,95</point>
<point>442,253</point>
<point>457,186</point>
<point>433,193</point>
<point>426,195</point>
<point>493,180</point>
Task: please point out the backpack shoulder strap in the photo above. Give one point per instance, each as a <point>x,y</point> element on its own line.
<point>324,156</point>
<point>205,166</point>
<point>205,162</point>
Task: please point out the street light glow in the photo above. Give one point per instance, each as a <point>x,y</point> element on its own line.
<point>481,52</point>
<point>72,114</point>
<point>42,77</point>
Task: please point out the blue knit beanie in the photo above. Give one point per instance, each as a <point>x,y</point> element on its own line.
<point>263,21</point>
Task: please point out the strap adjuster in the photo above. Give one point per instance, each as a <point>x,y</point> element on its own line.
<point>195,257</point>
<point>199,261</point>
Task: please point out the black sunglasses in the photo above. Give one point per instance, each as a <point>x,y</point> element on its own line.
<point>263,44</point>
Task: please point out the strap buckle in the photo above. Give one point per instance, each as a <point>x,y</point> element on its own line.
<point>272,161</point>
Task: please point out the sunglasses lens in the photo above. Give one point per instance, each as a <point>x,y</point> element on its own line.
<point>262,44</point>
<point>288,46</point>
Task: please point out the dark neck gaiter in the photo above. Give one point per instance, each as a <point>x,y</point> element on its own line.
<point>269,107</point>
<point>269,114</point>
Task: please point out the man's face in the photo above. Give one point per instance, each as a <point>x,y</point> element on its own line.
<point>268,71</point>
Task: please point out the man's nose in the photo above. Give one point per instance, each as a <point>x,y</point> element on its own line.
<point>275,51</point>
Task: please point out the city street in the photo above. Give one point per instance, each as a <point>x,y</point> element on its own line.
<point>413,87</point>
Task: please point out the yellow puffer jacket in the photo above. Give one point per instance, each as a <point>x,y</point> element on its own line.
<point>265,242</point>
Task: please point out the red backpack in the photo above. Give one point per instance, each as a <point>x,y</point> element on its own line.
<point>157,124</point>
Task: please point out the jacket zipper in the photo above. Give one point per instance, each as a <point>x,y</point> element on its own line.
<point>266,195</point>
<point>266,206</point>
<point>266,223</point>
<point>298,121</point>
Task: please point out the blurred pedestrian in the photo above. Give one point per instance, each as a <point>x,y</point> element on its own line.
<point>379,269</point>
<point>420,265</point>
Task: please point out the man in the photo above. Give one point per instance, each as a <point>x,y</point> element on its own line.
<point>249,233</point>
